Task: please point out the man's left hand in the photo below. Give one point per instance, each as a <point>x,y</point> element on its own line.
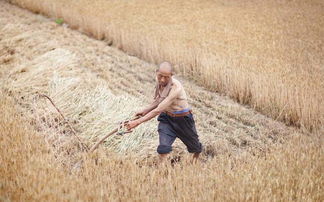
<point>132,124</point>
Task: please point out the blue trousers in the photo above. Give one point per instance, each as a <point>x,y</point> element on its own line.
<point>183,128</point>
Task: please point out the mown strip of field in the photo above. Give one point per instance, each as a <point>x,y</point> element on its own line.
<point>265,54</point>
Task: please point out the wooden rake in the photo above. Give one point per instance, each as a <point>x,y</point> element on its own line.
<point>121,129</point>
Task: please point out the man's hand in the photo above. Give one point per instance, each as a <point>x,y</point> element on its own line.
<point>141,113</point>
<point>132,124</point>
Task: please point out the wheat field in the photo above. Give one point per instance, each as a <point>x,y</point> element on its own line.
<point>247,156</point>
<point>29,171</point>
<point>266,54</point>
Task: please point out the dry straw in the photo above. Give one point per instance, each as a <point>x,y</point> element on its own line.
<point>83,99</point>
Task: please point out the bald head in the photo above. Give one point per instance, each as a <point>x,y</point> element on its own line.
<point>164,73</point>
<point>165,68</point>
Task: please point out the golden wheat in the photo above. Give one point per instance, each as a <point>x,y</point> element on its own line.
<point>266,54</point>
<point>29,171</point>
<point>96,86</point>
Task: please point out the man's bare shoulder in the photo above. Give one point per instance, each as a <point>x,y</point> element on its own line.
<point>176,83</point>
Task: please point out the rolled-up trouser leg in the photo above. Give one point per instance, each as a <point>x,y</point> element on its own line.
<point>166,138</point>
<point>164,149</point>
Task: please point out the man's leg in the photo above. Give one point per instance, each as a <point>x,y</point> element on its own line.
<point>187,133</point>
<point>162,158</point>
<point>195,157</point>
<point>166,139</point>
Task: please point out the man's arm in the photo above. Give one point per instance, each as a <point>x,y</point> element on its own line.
<point>156,111</point>
<point>149,108</point>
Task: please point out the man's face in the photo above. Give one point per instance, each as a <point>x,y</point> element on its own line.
<point>163,78</point>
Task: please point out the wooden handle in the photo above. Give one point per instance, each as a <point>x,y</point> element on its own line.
<point>102,139</point>
<point>111,133</point>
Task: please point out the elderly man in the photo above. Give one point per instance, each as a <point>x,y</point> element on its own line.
<point>175,117</point>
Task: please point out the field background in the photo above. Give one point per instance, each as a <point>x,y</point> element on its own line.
<point>247,156</point>
<point>266,54</point>
<point>30,172</point>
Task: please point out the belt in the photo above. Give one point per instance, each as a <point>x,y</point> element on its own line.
<point>179,115</point>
